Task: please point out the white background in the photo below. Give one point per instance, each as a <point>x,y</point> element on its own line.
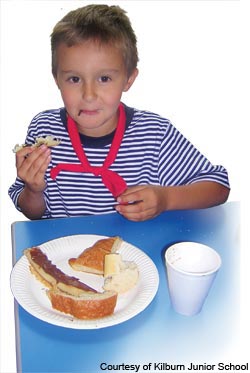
<point>194,64</point>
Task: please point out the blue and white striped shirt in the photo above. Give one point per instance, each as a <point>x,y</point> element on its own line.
<point>152,152</point>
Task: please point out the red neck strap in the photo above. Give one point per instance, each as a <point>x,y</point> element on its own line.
<point>114,182</point>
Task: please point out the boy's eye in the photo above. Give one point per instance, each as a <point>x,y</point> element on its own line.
<point>74,79</point>
<point>104,79</point>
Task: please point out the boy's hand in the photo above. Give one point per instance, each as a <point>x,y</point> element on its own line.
<point>145,202</point>
<point>31,164</point>
<point>142,202</point>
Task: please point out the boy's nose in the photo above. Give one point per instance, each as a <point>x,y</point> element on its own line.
<point>88,92</point>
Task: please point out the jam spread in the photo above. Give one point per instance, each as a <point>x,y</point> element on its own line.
<point>41,259</point>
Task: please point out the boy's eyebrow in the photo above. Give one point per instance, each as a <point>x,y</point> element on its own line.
<point>109,71</point>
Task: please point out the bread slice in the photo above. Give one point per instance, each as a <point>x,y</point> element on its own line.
<point>51,276</point>
<point>87,306</point>
<point>92,259</point>
<point>48,141</point>
<point>120,276</point>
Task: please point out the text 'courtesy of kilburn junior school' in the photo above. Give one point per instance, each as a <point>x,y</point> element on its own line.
<point>166,367</point>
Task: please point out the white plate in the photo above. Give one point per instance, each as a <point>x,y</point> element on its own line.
<point>31,294</point>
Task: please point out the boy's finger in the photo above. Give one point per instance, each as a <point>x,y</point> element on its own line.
<point>22,155</point>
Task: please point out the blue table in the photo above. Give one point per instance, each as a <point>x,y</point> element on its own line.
<point>156,335</point>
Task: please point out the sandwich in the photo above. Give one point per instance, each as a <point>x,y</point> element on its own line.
<point>68,294</point>
<point>91,260</point>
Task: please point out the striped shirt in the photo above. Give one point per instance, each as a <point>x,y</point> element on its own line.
<point>152,152</point>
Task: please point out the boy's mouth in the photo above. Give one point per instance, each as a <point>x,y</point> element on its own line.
<point>87,112</point>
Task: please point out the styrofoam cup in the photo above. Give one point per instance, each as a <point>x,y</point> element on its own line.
<point>191,270</point>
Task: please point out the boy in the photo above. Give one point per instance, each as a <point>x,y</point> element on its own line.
<point>111,157</point>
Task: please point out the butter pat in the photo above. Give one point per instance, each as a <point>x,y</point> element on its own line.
<point>112,263</point>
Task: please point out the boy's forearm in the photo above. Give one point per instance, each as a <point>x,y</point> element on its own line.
<point>32,204</point>
<point>197,195</point>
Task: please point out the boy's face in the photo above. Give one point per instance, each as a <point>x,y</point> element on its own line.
<point>91,79</point>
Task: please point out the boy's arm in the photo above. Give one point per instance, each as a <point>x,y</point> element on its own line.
<point>151,200</point>
<point>31,166</point>
<point>32,204</point>
<point>201,194</point>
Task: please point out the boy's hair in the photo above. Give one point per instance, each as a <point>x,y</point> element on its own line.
<point>101,23</point>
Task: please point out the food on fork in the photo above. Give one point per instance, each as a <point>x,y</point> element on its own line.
<point>119,275</point>
<point>68,294</point>
<point>48,141</point>
<point>92,259</point>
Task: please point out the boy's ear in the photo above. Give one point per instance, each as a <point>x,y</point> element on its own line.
<point>131,80</point>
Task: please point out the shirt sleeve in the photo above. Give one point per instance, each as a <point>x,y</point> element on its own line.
<point>180,163</point>
<point>16,189</point>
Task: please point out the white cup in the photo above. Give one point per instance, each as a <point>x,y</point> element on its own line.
<point>191,270</point>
